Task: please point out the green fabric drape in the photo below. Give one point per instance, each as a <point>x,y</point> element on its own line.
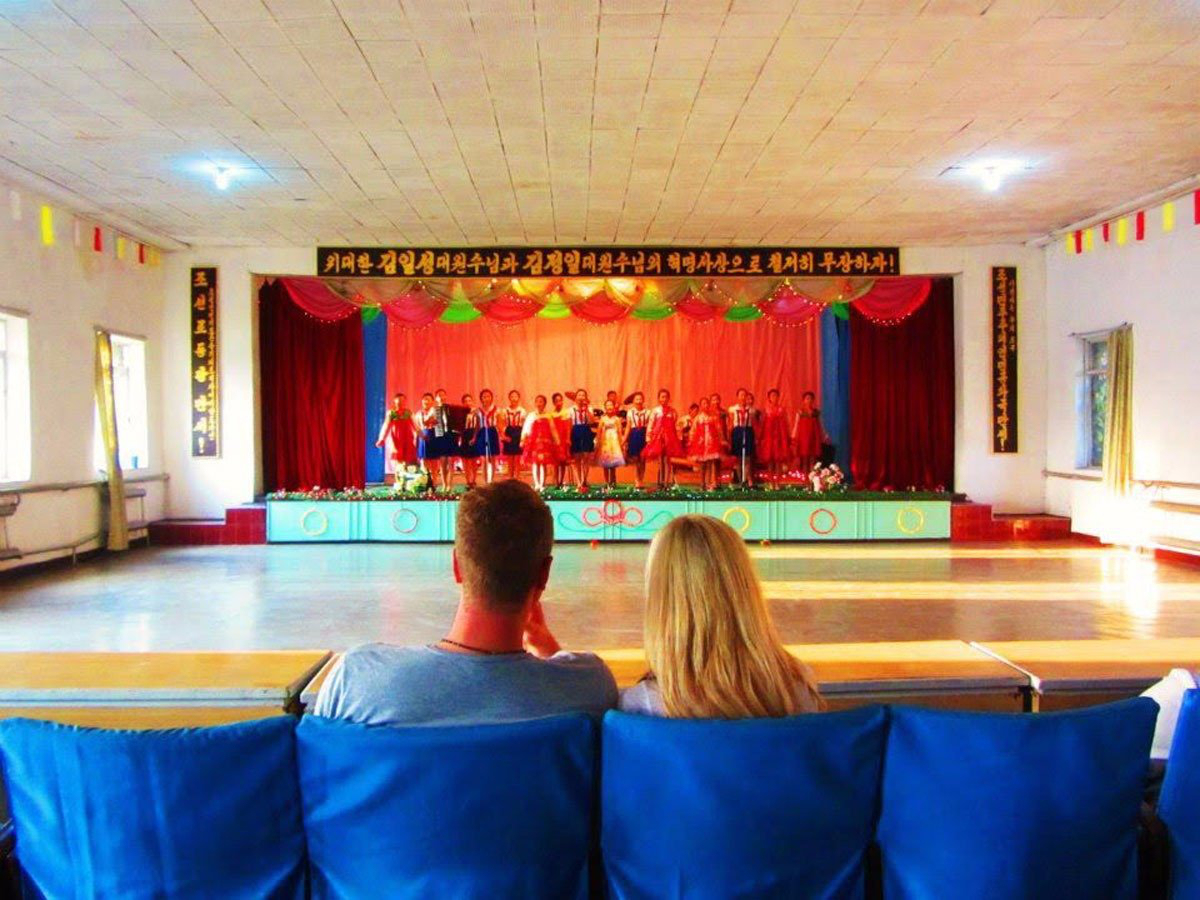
<point>118,528</point>
<point>1118,425</point>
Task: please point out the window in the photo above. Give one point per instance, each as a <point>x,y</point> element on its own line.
<point>1092,403</point>
<point>129,400</point>
<point>14,398</point>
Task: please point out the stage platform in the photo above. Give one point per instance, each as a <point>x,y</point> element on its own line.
<point>629,517</point>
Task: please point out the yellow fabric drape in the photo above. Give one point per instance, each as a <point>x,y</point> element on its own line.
<point>118,530</point>
<point>1118,425</point>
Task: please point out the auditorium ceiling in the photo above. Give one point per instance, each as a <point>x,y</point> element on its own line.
<point>631,121</point>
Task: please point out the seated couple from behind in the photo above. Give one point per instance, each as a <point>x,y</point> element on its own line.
<point>712,647</point>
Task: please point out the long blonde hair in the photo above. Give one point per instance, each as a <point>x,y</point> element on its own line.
<point>709,637</point>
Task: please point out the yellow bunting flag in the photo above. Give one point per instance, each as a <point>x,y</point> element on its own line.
<point>1070,239</point>
<point>1169,216</point>
<point>1089,240</point>
<point>1122,230</point>
<point>120,247</point>
<point>47,226</point>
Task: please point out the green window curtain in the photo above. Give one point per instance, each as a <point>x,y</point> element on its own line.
<point>1118,427</point>
<point>118,530</point>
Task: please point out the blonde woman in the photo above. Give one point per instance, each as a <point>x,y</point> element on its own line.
<point>713,650</point>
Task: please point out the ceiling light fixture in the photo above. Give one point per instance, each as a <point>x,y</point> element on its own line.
<point>992,172</point>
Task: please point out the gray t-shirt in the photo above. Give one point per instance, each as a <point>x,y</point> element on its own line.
<point>381,684</point>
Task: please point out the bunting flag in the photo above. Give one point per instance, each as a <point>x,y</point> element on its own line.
<point>1139,230</point>
<point>1070,242</point>
<point>97,239</point>
<point>120,246</point>
<point>141,253</point>
<point>47,226</point>
<point>1105,232</point>
<point>1168,214</point>
<point>1196,207</point>
<point>1078,236</point>
<point>1089,240</point>
<point>1122,231</point>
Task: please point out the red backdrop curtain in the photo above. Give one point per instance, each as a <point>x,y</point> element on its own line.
<point>545,355</point>
<point>312,396</point>
<point>902,397</point>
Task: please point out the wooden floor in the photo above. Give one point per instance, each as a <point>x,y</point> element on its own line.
<point>290,597</point>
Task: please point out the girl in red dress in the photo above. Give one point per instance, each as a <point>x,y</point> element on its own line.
<point>662,438</point>
<point>774,448</point>
<point>539,442</point>
<point>704,444</point>
<point>398,437</point>
<point>562,424</point>
<point>807,433</point>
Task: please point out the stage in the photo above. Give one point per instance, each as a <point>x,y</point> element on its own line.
<point>623,515</point>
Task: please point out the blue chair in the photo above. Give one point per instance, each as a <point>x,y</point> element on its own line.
<point>196,812</point>
<point>1179,801</point>
<point>757,807</point>
<point>1014,806</point>
<point>461,811</point>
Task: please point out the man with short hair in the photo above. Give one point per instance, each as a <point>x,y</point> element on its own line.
<point>499,662</point>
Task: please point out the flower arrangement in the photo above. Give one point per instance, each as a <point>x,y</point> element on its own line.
<point>826,478</point>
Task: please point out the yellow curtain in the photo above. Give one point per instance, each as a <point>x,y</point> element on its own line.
<point>118,530</point>
<point>1118,426</point>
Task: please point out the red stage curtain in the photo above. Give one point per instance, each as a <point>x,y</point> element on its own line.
<point>545,355</point>
<point>313,412</point>
<point>902,396</point>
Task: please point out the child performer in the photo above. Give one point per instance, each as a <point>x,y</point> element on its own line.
<point>741,437</point>
<point>447,445</point>
<point>540,442</point>
<point>775,449</point>
<point>662,438</point>
<point>583,439</point>
<point>609,437</point>
<point>429,446</point>
<point>685,423</point>
<point>704,444</point>
<point>808,433</point>
<point>635,438</point>
<point>487,438</point>
<point>466,441</point>
<point>562,425</point>
<point>514,423</point>
<point>398,437</point>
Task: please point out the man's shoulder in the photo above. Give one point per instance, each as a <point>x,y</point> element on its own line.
<point>365,657</point>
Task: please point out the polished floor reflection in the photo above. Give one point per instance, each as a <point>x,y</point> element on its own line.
<point>230,598</point>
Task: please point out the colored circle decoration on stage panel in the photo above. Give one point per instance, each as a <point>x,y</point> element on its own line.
<point>612,512</point>
<point>812,521</point>
<point>733,512</point>
<point>910,520</point>
<point>413,521</point>
<point>319,529</point>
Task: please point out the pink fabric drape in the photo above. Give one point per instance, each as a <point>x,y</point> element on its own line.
<point>892,300</point>
<point>313,296</point>
<point>546,355</point>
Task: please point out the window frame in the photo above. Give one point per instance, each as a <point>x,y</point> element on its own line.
<point>117,338</point>
<point>1087,451</point>
<point>15,468</point>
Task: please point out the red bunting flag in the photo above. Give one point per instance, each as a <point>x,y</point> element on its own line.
<point>1104,231</point>
<point>142,254</point>
<point>1196,207</point>
<point>97,239</point>
<point>1139,228</point>
<point>1078,241</point>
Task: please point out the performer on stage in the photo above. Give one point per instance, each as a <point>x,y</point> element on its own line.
<point>429,445</point>
<point>466,442</point>
<point>447,441</point>
<point>539,440</point>
<point>398,437</point>
<point>718,409</point>
<point>583,438</point>
<point>616,402</point>
<point>562,425</point>
<point>487,438</point>
<point>635,438</point>
<point>609,436</point>
<point>774,448</point>
<point>514,422</point>
<point>662,438</point>
<point>807,433</point>
<point>704,444</point>
<point>741,437</point>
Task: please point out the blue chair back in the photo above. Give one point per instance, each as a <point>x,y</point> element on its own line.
<point>197,812</point>
<point>463,811</point>
<point>758,807</point>
<point>1014,806</point>
<point>1179,801</point>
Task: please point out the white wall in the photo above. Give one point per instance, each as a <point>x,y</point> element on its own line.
<point>205,488</point>
<point>67,291</point>
<point>1153,285</point>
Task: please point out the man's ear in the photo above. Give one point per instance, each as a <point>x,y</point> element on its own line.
<point>544,574</point>
<point>457,568</point>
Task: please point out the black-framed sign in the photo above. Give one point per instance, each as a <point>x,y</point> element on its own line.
<point>206,396</point>
<point>553,262</point>
<point>1004,359</point>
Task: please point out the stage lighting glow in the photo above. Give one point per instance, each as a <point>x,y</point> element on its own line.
<point>222,173</point>
<point>992,172</point>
